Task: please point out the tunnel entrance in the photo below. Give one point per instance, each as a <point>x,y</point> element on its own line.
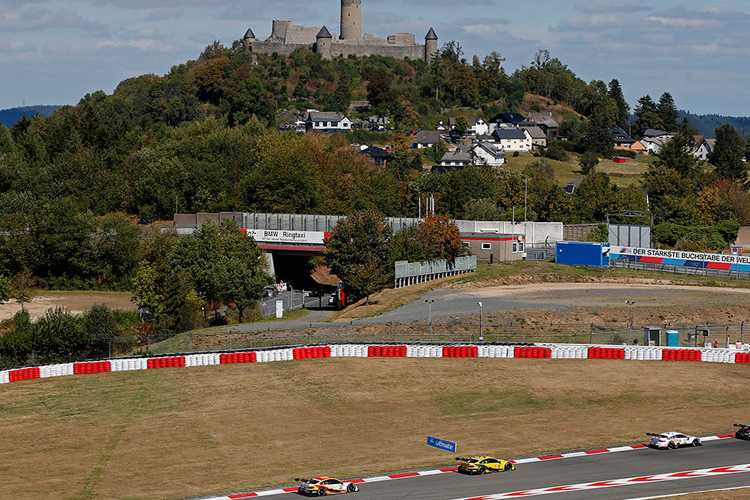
<point>302,270</point>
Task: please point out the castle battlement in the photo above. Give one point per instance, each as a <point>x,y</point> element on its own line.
<point>286,37</point>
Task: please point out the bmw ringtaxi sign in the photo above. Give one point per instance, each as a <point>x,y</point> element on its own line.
<point>441,444</point>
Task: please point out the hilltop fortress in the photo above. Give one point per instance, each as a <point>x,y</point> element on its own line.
<point>286,37</point>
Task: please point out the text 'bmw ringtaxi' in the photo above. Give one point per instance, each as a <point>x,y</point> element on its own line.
<point>483,464</point>
<point>672,440</point>
<point>322,486</point>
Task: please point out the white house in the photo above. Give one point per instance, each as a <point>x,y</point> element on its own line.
<point>477,126</point>
<point>425,139</point>
<point>653,145</point>
<point>326,122</point>
<point>459,157</point>
<point>705,148</point>
<point>489,154</point>
<point>516,139</point>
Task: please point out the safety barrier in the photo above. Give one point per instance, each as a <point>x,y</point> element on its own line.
<point>96,367</point>
<point>605,353</point>
<point>176,362</point>
<point>386,351</point>
<point>507,351</point>
<point>312,352</point>
<point>681,355</point>
<point>238,357</point>
<point>464,351</point>
<point>532,352</point>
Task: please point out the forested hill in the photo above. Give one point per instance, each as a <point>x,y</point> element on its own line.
<point>707,124</point>
<point>10,117</point>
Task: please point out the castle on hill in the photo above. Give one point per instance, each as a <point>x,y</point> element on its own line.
<point>286,37</point>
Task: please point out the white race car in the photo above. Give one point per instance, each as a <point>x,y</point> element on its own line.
<point>672,440</point>
<point>321,486</point>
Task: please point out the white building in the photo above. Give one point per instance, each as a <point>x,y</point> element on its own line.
<point>515,139</point>
<point>489,154</point>
<point>317,121</point>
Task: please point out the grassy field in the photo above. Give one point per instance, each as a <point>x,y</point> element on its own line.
<point>165,434</point>
<point>622,174</point>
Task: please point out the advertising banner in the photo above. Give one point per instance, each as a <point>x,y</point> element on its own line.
<point>441,444</point>
<point>725,262</point>
<point>276,236</point>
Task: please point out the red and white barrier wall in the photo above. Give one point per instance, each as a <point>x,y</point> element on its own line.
<point>525,351</point>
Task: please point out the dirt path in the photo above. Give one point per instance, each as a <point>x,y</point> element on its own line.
<point>76,302</point>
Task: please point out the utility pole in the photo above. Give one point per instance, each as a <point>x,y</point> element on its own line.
<point>429,307</point>
<point>630,324</point>
<point>481,330</point>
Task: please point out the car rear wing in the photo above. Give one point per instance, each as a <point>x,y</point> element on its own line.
<point>740,425</point>
<point>652,434</point>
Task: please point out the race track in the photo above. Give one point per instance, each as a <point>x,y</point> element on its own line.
<point>574,471</point>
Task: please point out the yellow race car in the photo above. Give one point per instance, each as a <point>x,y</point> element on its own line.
<point>483,465</point>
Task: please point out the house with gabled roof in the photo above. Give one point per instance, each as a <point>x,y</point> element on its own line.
<point>425,139</point>
<point>545,121</point>
<point>704,148</point>
<point>505,120</point>
<point>459,157</point>
<point>538,137</point>
<point>513,139</point>
<point>326,122</point>
<point>489,154</point>
<point>377,156</point>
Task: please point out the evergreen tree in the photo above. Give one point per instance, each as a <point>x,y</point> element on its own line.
<point>679,154</point>
<point>667,112</point>
<point>623,109</point>
<point>728,153</point>
<point>646,116</point>
<point>598,139</point>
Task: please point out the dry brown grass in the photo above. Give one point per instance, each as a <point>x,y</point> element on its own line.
<point>742,494</point>
<point>180,433</point>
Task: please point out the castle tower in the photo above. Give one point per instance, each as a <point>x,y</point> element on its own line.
<point>351,19</point>
<point>248,39</point>
<point>430,46</point>
<point>323,43</point>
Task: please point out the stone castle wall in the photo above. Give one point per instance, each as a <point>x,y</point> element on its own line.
<point>300,34</point>
<point>284,49</point>
<point>364,50</point>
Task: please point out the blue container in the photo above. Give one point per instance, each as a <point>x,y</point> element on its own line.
<point>581,253</point>
<point>673,339</point>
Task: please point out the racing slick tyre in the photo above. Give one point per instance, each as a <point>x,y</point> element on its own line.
<point>697,442</point>
<point>482,470</point>
<point>322,492</point>
<point>671,445</point>
<point>351,488</point>
<point>508,466</point>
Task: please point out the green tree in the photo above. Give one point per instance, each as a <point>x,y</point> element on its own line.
<point>728,154</point>
<point>678,154</point>
<point>99,326</point>
<point>462,125</point>
<point>360,245</point>
<point>595,197</point>
<point>225,265</point>
<point>58,336</point>
<point>623,109</point>
<point>598,139</point>
<point>667,111</point>
<point>647,116</point>
<point>407,247</point>
<point>481,209</point>
<point>588,162</point>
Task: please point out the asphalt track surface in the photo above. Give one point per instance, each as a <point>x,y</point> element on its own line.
<point>590,468</point>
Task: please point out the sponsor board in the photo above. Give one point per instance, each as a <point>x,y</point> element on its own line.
<point>441,444</point>
<point>726,262</point>
<point>277,236</point>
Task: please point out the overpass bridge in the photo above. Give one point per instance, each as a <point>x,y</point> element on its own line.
<point>290,239</point>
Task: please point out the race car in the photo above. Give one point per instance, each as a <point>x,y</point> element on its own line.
<point>743,432</point>
<point>483,465</point>
<point>322,486</point>
<point>672,440</point>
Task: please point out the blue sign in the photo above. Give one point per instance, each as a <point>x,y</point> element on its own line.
<point>441,444</point>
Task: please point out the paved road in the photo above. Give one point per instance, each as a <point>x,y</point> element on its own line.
<point>586,469</point>
<point>554,296</point>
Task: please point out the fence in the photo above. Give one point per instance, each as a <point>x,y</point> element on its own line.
<point>412,273</point>
<point>696,271</point>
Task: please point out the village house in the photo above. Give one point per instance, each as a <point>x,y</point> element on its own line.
<point>545,121</point>
<point>326,122</point>
<point>517,139</point>
<point>489,154</point>
<point>459,157</point>
<point>538,137</point>
<point>704,148</point>
<point>477,126</point>
<point>506,120</point>
<point>425,139</point>
<point>377,156</point>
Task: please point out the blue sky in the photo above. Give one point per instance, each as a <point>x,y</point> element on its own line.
<point>56,51</point>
